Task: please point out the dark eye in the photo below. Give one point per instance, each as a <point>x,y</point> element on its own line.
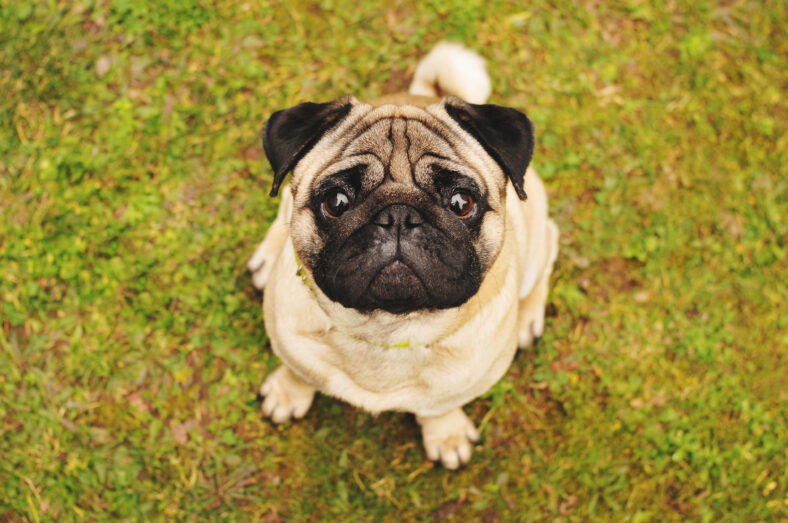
<point>336,203</point>
<point>461,203</point>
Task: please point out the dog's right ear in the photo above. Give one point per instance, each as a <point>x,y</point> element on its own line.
<point>506,134</point>
<point>289,134</point>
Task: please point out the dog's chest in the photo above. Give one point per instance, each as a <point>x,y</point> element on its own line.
<point>423,379</point>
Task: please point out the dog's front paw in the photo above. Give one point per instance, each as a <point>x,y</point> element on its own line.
<point>448,438</point>
<point>286,396</point>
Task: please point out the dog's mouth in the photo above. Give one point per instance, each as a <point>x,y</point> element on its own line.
<point>397,288</point>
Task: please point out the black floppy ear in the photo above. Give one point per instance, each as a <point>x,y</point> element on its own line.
<point>506,134</point>
<point>289,134</point>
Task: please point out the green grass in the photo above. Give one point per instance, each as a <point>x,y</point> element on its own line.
<point>133,188</point>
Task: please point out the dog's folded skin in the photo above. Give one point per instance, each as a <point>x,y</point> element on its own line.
<point>405,266</point>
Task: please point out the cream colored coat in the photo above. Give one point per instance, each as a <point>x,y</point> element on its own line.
<point>429,363</point>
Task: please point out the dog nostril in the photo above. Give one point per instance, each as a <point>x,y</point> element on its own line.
<point>413,220</point>
<point>399,216</point>
<point>385,220</point>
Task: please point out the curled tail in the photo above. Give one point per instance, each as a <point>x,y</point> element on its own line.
<point>452,69</point>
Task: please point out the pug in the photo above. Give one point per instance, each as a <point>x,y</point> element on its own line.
<point>411,253</point>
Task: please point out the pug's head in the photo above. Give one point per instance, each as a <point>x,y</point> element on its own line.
<point>398,207</point>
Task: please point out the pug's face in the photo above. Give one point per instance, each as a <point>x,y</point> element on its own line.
<point>398,208</point>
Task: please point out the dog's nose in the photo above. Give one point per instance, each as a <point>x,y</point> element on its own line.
<point>398,216</point>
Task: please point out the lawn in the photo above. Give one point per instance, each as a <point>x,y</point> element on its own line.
<point>133,187</point>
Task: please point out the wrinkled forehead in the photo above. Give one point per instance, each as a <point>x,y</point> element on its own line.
<point>402,143</point>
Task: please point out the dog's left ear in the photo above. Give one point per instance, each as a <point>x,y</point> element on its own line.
<point>506,134</point>
<point>289,134</point>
